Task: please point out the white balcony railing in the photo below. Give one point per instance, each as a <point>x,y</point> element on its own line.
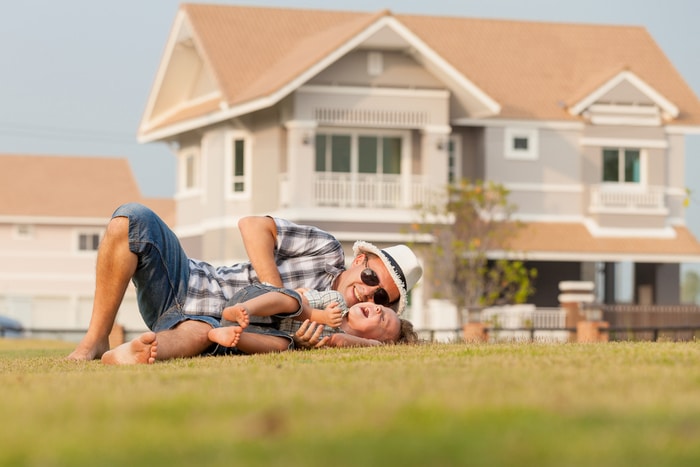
<point>349,190</point>
<point>627,199</point>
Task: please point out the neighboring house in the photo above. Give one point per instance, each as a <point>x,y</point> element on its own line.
<point>346,120</point>
<point>53,214</point>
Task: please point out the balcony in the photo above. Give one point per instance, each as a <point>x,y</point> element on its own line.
<point>369,191</point>
<point>627,199</point>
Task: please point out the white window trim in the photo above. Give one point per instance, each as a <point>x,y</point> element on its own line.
<point>183,191</point>
<point>231,136</point>
<point>532,136</point>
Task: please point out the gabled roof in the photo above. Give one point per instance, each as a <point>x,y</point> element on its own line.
<point>518,69</point>
<point>70,187</point>
<point>617,80</point>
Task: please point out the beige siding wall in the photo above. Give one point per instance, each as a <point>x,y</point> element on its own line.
<point>399,69</point>
<point>676,176</point>
<point>46,283</point>
<point>546,185</point>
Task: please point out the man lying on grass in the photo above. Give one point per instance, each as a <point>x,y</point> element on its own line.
<point>181,299</point>
<point>363,324</point>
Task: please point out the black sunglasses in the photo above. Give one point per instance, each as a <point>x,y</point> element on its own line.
<point>369,277</point>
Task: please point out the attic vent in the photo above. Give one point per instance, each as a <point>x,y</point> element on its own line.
<point>375,63</point>
<point>394,118</point>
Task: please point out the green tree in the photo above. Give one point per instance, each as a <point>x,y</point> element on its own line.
<point>466,231</point>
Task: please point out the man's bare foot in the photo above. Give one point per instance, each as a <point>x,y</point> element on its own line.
<point>238,314</point>
<point>143,349</point>
<point>227,336</point>
<point>84,352</point>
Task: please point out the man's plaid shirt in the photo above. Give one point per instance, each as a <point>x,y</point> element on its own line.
<point>306,257</point>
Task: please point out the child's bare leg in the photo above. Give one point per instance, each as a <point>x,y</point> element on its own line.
<point>252,343</point>
<point>227,336</point>
<point>271,303</point>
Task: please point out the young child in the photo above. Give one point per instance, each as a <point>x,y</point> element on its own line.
<point>364,324</point>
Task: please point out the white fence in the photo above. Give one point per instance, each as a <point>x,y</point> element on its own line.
<point>505,323</point>
<point>525,322</point>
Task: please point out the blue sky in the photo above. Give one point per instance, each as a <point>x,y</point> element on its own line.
<point>76,73</point>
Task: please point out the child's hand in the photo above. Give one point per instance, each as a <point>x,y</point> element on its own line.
<point>333,315</point>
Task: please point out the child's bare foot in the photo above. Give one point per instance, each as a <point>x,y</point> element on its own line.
<point>227,336</point>
<point>143,349</point>
<point>238,314</point>
<point>85,351</point>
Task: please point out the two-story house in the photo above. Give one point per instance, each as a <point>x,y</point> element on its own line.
<point>53,213</point>
<point>346,120</point>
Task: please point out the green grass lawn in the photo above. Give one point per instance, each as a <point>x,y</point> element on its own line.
<point>614,404</point>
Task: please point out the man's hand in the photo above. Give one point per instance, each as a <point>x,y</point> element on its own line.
<point>308,336</point>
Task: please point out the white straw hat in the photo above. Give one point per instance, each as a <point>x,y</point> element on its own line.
<point>402,265</point>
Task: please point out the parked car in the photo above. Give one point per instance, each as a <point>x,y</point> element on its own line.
<point>10,327</point>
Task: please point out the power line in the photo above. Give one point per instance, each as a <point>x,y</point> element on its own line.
<point>65,134</point>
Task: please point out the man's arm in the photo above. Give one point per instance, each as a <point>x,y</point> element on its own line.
<point>259,235</point>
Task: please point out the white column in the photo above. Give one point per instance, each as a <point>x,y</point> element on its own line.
<point>434,152</point>
<point>301,162</point>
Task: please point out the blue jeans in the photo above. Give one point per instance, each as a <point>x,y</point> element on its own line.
<point>162,271</point>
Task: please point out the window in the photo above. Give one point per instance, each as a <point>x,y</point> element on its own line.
<point>358,153</point>
<point>238,153</point>
<point>621,165</point>
<point>238,169</point>
<point>521,143</point>
<point>454,161</point>
<point>189,171</point>
<point>24,231</point>
<point>88,241</point>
